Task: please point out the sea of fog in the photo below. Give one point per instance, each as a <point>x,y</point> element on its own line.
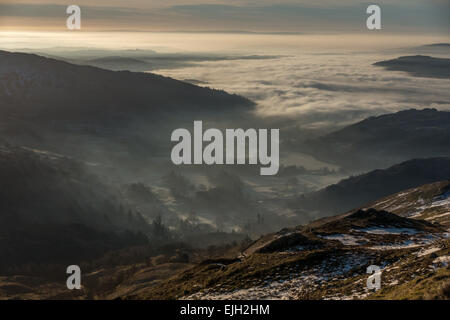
<point>306,83</point>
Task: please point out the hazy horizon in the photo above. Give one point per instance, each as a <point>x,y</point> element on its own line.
<point>214,42</point>
<point>416,16</point>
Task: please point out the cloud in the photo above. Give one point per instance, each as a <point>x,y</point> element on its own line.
<point>288,16</point>
<point>316,91</point>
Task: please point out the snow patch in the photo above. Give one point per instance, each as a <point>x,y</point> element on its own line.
<point>413,242</point>
<point>345,239</point>
<point>385,230</point>
<point>293,284</point>
<point>438,216</point>
<point>428,251</point>
<point>397,246</point>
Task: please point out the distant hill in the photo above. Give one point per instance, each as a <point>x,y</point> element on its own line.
<point>119,63</point>
<point>96,113</point>
<point>437,45</point>
<point>446,45</point>
<point>419,65</point>
<point>433,49</point>
<point>356,191</point>
<point>384,140</point>
<point>66,92</point>
<point>137,60</point>
<point>117,59</point>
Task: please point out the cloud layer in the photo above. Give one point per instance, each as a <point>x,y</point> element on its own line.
<point>321,90</point>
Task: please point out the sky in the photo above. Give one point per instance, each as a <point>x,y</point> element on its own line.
<point>324,75</point>
<point>292,16</point>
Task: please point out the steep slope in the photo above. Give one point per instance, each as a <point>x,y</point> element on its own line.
<point>327,259</point>
<point>52,210</point>
<point>430,202</point>
<point>355,191</point>
<point>381,141</point>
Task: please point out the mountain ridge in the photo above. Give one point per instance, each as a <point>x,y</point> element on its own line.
<point>100,115</point>
<point>384,140</point>
<point>419,65</point>
<point>358,190</point>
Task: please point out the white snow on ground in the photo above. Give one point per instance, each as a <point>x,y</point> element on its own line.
<point>393,283</point>
<point>345,239</point>
<point>378,204</point>
<point>438,216</point>
<point>296,282</point>
<point>440,201</point>
<point>355,295</point>
<point>428,251</point>
<point>272,290</point>
<point>443,260</point>
<point>383,230</point>
<point>443,200</point>
<point>402,194</point>
<point>417,207</point>
<point>415,214</point>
